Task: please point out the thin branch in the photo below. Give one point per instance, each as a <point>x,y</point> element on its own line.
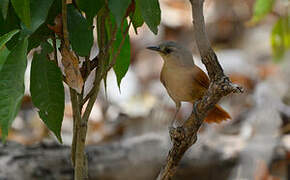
<point>185,136</point>
<point>94,62</point>
<point>64,24</point>
<point>124,34</point>
<point>86,68</point>
<point>54,48</point>
<point>102,56</point>
<point>91,92</point>
<point>76,121</point>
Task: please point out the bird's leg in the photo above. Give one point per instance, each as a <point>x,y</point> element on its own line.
<point>178,105</point>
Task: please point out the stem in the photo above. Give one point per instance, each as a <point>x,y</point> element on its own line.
<point>55,49</point>
<point>124,34</point>
<point>79,160</point>
<point>76,120</point>
<point>64,24</point>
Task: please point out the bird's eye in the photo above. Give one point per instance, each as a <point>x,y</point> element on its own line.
<point>167,50</point>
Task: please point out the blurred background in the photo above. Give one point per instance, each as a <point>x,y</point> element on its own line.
<point>255,144</point>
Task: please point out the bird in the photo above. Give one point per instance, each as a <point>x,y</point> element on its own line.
<point>185,81</point>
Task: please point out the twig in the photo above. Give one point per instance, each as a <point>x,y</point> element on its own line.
<point>55,49</point>
<point>92,95</point>
<point>185,136</point>
<point>86,68</point>
<point>113,62</point>
<point>76,121</point>
<point>124,34</point>
<point>64,24</point>
<point>91,92</point>
<point>94,62</point>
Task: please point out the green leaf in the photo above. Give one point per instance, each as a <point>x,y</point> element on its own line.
<point>47,92</point>
<point>280,37</point>
<point>261,8</point>
<point>151,13</point>
<point>90,7</point>
<point>46,47</point>
<point>39,11</point>
<point>43,32</point>
<point>12,22</point>
<point>40,35</point>
<point>118,9</point>
<point>22,9</point>
<point>123,59</point>
<point>4,52</point>
<point>6,37</point>
<point>104,29</point>
<point>12,85</point>
<point>137,19</point>
<point>4,6</point>
<point>80,33</point>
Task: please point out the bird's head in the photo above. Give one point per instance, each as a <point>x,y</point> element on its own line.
<point>173,52</point>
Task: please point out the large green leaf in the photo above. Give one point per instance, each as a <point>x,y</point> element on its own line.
<point>6,37</point>
<point>136,18</point>
<point>280,37</point>
<point>43,32</point>
<point>4,52</point>
<point>118,9</point>
<point>39,10</point>
<point>90,7</point>
<point>12,85</point>
<point>80,33</point>
<point>47,91</point>
<point>123,59</point>
<point>4,7</point>
<point>12,22</point>
<point>261,8</point>
<point>22,9</point>
<point>151,13</point>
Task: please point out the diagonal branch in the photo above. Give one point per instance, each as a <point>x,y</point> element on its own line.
<point>185,136</point>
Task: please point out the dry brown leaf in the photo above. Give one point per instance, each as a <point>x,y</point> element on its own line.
<point>71,69</point>
<point>57,27</point>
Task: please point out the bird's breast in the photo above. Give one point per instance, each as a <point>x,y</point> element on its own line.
<point>179,83</point>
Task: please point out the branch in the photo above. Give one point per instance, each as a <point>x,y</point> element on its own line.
<point>54,48</point>
<point>124,34</point>
<point>185,136</point>
<point>113,62</point>
<point>94,62</point>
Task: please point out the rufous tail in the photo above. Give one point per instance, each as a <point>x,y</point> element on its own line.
<point>217,115</point>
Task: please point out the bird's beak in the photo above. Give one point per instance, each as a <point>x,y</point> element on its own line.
<point>154,48</point>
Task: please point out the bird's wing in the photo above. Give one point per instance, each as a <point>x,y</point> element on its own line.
<point>162,79</point>
<point>200,77</point>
